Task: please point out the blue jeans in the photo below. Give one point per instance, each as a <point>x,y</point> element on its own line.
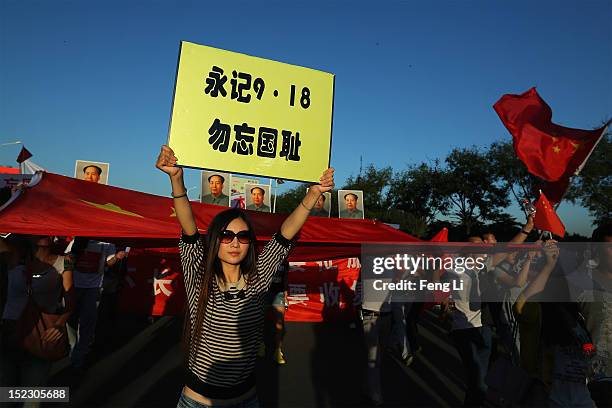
<point>186,402</point>
<point>376,329</point>
<point>404,327</point>
<point>474,347</point>
<point>82,324</point>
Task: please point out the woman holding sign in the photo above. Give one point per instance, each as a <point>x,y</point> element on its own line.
<point>226,283</point>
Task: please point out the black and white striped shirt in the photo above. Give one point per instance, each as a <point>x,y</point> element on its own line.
<point>225,362</point>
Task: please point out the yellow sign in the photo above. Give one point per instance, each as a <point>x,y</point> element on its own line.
<point>242,114</point>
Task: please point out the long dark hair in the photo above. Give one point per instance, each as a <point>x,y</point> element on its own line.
<point>214,269</point>
<point>30,246</point>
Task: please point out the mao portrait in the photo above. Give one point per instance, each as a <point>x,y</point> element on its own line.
<point>215,188</point>
<point>350,204</point>
<point>94,172</point>
<point>257,197</point>
<point>322,207</point>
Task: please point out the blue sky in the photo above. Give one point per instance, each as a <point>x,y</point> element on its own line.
<point>94,80</point>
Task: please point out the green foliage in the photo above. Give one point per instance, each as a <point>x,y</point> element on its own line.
<point>468,192</point>
<point>289,200</point>
<point>416,192</point>
<point>592,188</point>
<point>374,183</point>
<point>411,223</point>
<point>510,171</point>
<point>470,189</point>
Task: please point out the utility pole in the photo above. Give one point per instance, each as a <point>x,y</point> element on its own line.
<point>360,168</point>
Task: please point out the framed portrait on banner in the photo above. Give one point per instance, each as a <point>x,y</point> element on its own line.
<point>258,197</point>
<point>215,188</point>
<point>237,191</point>
<point>350,204</point>
<point>322,207</point>
<point>95,172</point>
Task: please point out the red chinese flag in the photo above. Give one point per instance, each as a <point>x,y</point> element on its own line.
<point>441,236</point>
<point>546,219</point>
<point>550,152</point>
<point>24,155</point>
<point>8,170</point>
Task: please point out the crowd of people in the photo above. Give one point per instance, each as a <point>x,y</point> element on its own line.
<point>529,330</point>
<point>57,276</point>
<point>522,325</point>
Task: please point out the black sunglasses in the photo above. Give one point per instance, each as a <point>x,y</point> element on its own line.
<point>227,236</point>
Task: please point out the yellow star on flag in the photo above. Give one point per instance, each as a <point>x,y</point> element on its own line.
<point>556,149</point>
<point>112,207</point>
<point>576,146</point>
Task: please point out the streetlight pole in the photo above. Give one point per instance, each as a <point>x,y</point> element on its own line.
<point>11,143</point>
<point>14,142</point>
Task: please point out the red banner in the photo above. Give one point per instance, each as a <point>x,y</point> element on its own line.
<point>153,284</point>
<point>317,291</point>
<point>62,206</point>
<point>323,291</point>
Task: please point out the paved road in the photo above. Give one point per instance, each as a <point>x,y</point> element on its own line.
<point>140,366</point>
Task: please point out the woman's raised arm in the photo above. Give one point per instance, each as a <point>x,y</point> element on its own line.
<point>166,162</point>
<point>298,217</point>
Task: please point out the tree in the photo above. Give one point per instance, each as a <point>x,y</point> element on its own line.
<point>375,184</point>
<point>413,224</point>
<point>290,199</point>
<point>592,188</point>
<point>510,171</point>
<point>415,199</point>
<point>472,189</point>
